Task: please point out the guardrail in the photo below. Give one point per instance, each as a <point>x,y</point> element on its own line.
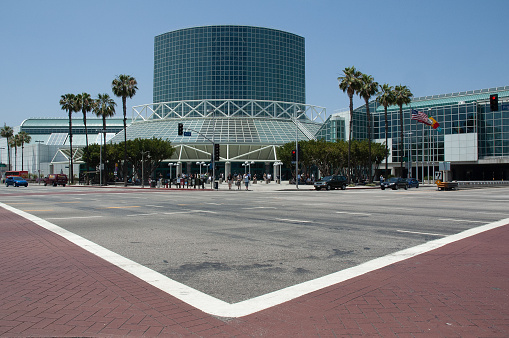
<point>472,184</point>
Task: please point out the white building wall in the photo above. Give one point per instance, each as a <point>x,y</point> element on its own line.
<point>460,147</point>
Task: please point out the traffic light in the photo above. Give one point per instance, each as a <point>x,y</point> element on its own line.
<point>294,155</point>
<point>181,129</point>
<point>216,152</point>
<point>494,102</point>
<point>300,154</point>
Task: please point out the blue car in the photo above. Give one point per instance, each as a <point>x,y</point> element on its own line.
<point>15,181</point>
<point>412,182</point>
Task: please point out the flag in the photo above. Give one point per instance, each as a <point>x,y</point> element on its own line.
<point>421,117</point>
<point>435,124</point>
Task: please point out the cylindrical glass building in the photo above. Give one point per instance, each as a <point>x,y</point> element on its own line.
<point>229,62</point>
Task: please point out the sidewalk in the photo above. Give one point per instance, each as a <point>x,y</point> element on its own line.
<point>50,287</point>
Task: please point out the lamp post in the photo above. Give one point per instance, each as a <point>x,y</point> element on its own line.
<point>103,131</point>
<point>409,154</point>
<point>300,111</point>
<point>278,164</point>
<point>143,167</point>
<point>171,165</point>
<point>248,165</point>
<point>39,161</point>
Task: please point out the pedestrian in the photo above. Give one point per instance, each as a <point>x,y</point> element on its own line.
<point>239,181</point>
<point>246,181</point>
<point>381,179</point>
<point>230,181</point>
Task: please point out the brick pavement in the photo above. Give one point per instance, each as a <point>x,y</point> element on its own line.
<point>51,287</point>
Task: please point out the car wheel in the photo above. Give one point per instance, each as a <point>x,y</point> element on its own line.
<point>395,187</point>
<point>417,186</point>
<point>63,185</point>
<point>6,185</point>
<point>406,187</point>
<point>16,185</point>
<point>382,188</point>
<point>328,187</point>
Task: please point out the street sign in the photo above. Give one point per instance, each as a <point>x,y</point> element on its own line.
<point>187,133</point>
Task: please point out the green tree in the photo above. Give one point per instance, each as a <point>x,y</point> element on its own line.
<point>104,107</point>
<point>124,86</point>
<point>68,103</point>
<point>402,95</point>
<point>24,138</point>
<point>85,103</point>
<point>386,98</point>
<point>367,89</point>
<point>349,84</point>
<point>7,133</point>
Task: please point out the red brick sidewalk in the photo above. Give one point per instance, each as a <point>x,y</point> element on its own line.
<point>51,287</point>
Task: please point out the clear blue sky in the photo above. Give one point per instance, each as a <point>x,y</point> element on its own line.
<point>49,48</point>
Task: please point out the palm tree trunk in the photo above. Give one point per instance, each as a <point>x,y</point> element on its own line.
<point>9,154</point>
<point>86,131</point>
<point>104,151</point>
<point>71,179</point>
<point>401,141</point>
<point>370,169</point>
<point>386,142</point>
<point>350,133</point>
<point>22,153</point>
<point>124,165</point>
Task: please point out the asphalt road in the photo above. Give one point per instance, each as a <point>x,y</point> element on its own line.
<point>235,245</point>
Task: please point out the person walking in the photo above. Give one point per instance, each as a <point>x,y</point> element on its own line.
<point>230,181</point>
<point>246,181</point>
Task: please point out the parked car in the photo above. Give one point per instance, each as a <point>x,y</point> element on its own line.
<point>394,183</point>
<point>331,182</point>
<point>412,182</point>
<point>56,179</point>
<point>15,181</point>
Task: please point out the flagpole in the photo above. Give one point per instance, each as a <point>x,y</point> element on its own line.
<point>422,164</point>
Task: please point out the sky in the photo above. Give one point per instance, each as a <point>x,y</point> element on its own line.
<point>50,48</point>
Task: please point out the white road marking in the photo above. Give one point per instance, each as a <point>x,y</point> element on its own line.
<point>259,208</point>
<point>221,308</point>
<point>133,215</point>
<point>353,213</point>
<point>460,220</point>
<point>292,220</point>
<point>75,217</point>
<point>421,233</point>
<point>189,212</point>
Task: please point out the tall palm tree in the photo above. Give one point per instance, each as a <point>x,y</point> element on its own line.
<point>367,89</point>
<point>7,132</point>
<point>386,98</point>
<point>85,103</point>
<point>349,84</point>
<point>15,142</point>
<point>402,95</point>
<point>124,86</point>
<point>68,102</point>
<point>24,138</point>
<point>104,106</point>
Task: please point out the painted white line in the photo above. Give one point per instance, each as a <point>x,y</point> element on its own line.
<point>75,217</point>
<point>189,212</point>
<point>155,206</point>
<point>421,233</point>
<point>460,220</point>
<point>353,213</point>
<point>221,308</point>
<point>259,208</point>
<point>134,215</point>
<point>292,220</point>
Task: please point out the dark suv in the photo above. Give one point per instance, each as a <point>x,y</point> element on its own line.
<point>331,182</point>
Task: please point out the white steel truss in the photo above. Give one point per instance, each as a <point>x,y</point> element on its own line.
<point>229,108</point>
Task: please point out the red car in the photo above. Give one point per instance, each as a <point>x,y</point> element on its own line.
<point>56,179</point>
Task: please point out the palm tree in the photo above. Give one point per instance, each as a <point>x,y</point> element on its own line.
<point>386,99</point>
<point>7,132</point>
<point>349,83</point>
<point>68,102</point>
<point>85,103</point>
<point>367,89</point>
<point>104,106</point>
<point>124,86</point>
<point>14,143</point>
<point>402,95</point>
<point>24,137</point>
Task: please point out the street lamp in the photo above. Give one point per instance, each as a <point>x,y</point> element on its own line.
<point>300,111</point>
<point>200,164</point>
<point>143,168</point>
<point>278,164</point>
<point>103,131</point>
<point>409,154</point>
<point>39,161</point>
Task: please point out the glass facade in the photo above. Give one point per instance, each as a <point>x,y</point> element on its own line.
<point>229,62</point>
<point>472,138</point>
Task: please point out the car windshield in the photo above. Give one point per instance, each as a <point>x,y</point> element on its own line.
<point>393,179</point>
<point>17,178</point>
<point>326,178</point>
